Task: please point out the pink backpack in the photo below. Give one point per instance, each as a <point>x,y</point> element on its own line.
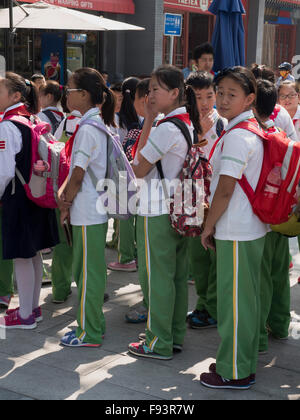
<point>43,189</point>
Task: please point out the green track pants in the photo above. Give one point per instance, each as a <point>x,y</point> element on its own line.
<point>6,269</point>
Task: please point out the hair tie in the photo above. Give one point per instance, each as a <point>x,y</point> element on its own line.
<point>127,91</point>
<point>27,82</point>
<point>61,87</point>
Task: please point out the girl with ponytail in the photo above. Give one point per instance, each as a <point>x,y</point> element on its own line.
<point>79,204</point>
<point>26,228</point>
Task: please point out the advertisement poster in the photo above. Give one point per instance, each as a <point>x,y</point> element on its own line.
<point>53,56</point>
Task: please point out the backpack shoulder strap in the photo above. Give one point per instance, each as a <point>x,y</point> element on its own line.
<point>54,122</point>
<point>220,127</point>
<point>183,128</point>
<point>246,125</point>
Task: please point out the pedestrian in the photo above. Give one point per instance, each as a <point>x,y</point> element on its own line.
<point>275,279</point>
<point>288,95</point>
<point>50,96</point>
<point>26,228</point>
<point>163,261</point>
<point>38,79</point>
<point>201,97</point>
<point>79,204</point>
<point>285,70</point>
<point>204,57</point>
<point>190,68</point>
<point>237,234</point>
<point>127,120</point>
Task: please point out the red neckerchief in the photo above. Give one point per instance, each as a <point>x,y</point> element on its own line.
<point>70,143</point>
<point>60,114</point>
<point>71,117</point>
<point>183,117</point>
<point>21,111</point>
<point>253,120</point>
<point>275,112</point>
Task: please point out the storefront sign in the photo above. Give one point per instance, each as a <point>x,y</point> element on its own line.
<point>194,6</point>
<point>113,6</point>
<point>53,47</point>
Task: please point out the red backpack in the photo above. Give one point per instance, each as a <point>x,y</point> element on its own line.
<point>275,194</point>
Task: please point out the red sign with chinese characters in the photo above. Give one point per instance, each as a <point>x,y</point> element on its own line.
<point>194,6</point>
<point>112,6</point>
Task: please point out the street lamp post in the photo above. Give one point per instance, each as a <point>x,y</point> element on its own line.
<point>11,36</point>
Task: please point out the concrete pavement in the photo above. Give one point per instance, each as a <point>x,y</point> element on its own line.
<point>34,366</point>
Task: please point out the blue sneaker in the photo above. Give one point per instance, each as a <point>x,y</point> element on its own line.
<point>137,315</point>
<point>201,320</point>
<point>71,340</point>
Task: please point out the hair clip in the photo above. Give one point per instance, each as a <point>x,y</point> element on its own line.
<point>27,82</point>
<point>127,91</point>
<point>61,87</point>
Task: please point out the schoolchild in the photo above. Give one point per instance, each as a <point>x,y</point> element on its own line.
<point>289,95</point>
<point>61,270</point>
<point>238,233</point>
<point>280,116</point>
<point>275,281</point>
<point>204,57</point>
<point>79,203</point>
<point>50,96</point>
<point>26,228</point>
<point>38,79</point>
<point>162,252</point>
<point>201,99</point>
<point>127,120</point>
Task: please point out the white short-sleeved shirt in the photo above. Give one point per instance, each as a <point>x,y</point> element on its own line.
<point>284,121</point>
<point>43,117</point>
<point>89,150</point>
<point>212,136</point>
<point>165,143</point>
<point>296,121</point>
<point>70,126</point>
<point>10,146</point>
<point>238,153</point>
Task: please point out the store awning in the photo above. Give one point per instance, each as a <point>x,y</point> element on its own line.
<point>286,4</point>
<point>112,6</point>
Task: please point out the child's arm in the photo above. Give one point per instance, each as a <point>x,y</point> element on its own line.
<point>71,190</point>
<point>222,197</point>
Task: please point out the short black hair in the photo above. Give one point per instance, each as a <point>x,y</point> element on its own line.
<point>200,80</point>
<point>266,98</point>
<point>205,48</point>
<point>263,72</point>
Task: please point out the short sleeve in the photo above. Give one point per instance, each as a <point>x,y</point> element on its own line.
<point>236,153</point>
<point>160,142</point>
<point>87,146</point>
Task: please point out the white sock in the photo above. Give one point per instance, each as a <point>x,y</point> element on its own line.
<point>25,277</point>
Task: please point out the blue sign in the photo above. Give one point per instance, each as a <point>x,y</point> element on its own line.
<point>173,24</point>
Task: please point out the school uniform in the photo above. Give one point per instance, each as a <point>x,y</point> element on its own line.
<point>61,271</point>
<point>275,284</point>
<point>282,119</point>
<point>51,115</point>
<point>26,228</point>
<point>296,121</point>
<point>240,238</point>
<point>203,262</point>
<point>89,225</point>
<point>162,252</point>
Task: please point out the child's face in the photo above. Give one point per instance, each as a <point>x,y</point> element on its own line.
<point>231,99</point>
<point>205,62</point>
<point>139,105</point>
<point>7,99</point>
<point>206,99</point>
<point>288,98</point>
<point>161,98</point>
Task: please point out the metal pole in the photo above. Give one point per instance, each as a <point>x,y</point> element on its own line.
<point>11,36</point>
<point>171,49</point>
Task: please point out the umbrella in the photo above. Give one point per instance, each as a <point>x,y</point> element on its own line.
<point>229,34</point>
<point>42,15</point>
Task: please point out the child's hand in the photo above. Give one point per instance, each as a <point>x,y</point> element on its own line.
<point>207,239</point>
<point>64,214</point>
<point>207,122</point>
<point>149,110</point>
<point>62,203</point>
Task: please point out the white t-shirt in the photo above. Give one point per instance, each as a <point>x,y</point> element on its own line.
<point>43,117</point>
<point>10,146</point>
<point>165,143</point>
<point>212,136</point>
<point>284,121</point>
<point>89,150</point>
<point>238,153</point>
<point>296,121</point>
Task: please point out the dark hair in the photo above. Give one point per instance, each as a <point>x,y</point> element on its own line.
<point>172,78</point>
<point>90,80</point>
<point>37,76</point>
<point>294,85</point>
<point>128,115</point>
<point>16,83</point>
<point>197,80</point>
<point>205,48</point>
<point>266,98</point>
<point>52,88</point>
<point>142,88</point>
<point>241,75</point>
<point>263,72</point>
<point>116,87</point>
